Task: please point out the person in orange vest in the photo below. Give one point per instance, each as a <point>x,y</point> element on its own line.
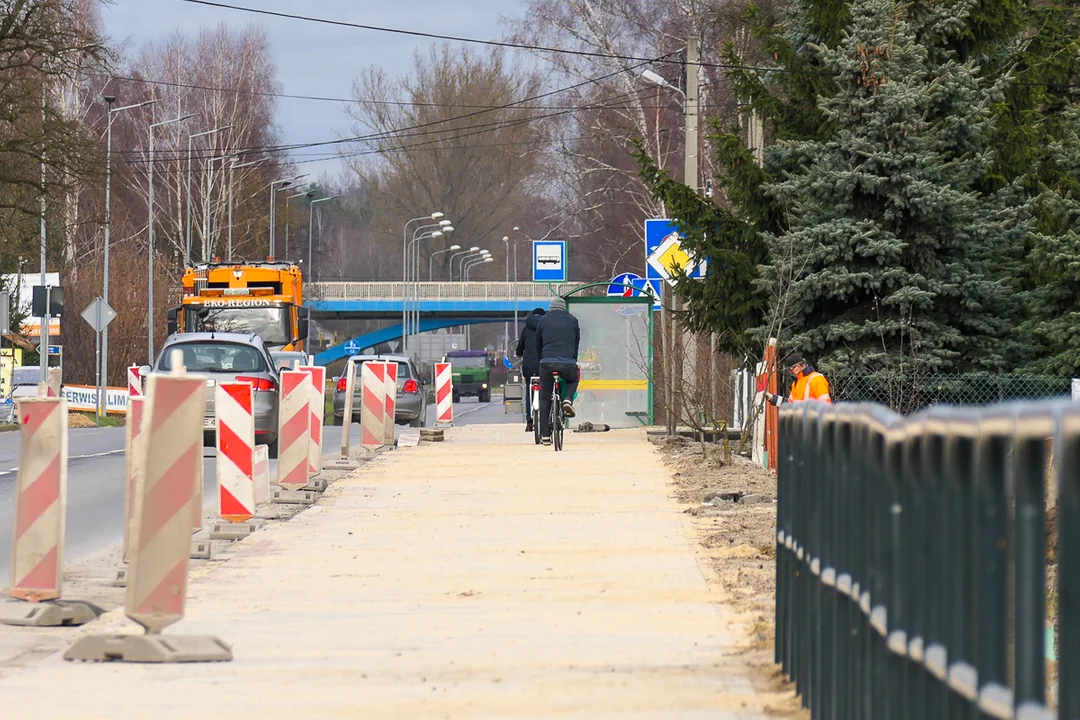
<point>809,383</point>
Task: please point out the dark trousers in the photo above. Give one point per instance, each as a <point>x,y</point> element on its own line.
<point>528,372</point>
<point>568,372</point>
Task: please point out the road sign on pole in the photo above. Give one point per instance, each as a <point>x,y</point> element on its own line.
<point>663,251</point>
<point>549,261</point>
<point>352,347</point>
<point>98,314</point>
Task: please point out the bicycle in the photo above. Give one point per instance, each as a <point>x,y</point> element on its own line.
<point>558,420</point>
<point>534,390</point>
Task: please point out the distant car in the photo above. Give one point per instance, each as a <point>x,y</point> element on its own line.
<point>229,357</point>
<point>284,359</point>
<point>411,408</point>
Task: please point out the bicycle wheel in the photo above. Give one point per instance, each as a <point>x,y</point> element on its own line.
<point>557,423</point>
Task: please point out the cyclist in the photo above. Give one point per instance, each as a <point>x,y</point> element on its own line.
<point>530,361</point>
<point>557,339</point>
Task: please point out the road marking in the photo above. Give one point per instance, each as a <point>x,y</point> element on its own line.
<point>15,469</point>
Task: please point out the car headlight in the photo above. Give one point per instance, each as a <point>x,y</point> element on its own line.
<point>483,386</point>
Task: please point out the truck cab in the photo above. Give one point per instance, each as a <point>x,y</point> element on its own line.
<point>471,372</point>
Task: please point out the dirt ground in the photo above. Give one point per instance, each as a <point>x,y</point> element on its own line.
<point>737,541</point>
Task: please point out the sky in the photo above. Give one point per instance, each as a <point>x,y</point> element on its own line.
<point>316,59</point>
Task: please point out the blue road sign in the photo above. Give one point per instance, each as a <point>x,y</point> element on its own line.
<point>618,288</point>
<point>55,350</point>
<point>352,347</point>
<point>656,231</point>
<point>549,261</point>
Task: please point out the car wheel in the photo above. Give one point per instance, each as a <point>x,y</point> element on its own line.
<point>485,396</point>
<point>457,397</point>
<point>416,423</point>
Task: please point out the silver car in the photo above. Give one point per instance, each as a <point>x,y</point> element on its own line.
<point>229,357</point>
<point>286,359</point>
<point>411,408</point>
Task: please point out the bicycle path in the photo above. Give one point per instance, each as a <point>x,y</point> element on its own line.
<point>479,577</point>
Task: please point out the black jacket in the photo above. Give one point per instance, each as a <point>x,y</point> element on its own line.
<point>558,336</point>
<point>526,347</point>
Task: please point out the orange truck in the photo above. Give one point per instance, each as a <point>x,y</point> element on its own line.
<point>263,298</point>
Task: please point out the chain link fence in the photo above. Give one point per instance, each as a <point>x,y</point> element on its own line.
<point>906,394</point>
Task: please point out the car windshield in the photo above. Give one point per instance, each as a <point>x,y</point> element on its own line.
<point>25,376</point>
<point>224,357</point>
<point>469,362</point>
<point>286,359</point>
<point>269,323</point>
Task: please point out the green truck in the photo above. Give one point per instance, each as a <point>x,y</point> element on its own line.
<point>471,374</point>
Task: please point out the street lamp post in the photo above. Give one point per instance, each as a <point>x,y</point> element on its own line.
<point>187,243</point>
<point>103,367</point>
<point>445,228</point>
<point>455,256</point>
<point>284,183</point>
<point>232,168</point>
<point>310,228</point>
<point>476,262</point>
<point>431,259</point>
<point>405,275</point>
<point>306,193</point>
<point>480,252</point>
<point>506,325</point>
<point>208,239</point>
<point>517,331</point>
<point>413,318</point>
<point>150,238</point>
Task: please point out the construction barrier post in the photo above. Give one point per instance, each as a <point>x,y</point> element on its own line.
<point>294,418</point>
<point>261,474</point>
<point>372,405</point>
<point>347,414</point>
<point>391,403</point>
<point>318,414</point>
<point>444,394</point>
<point>132,431</point>
<point>135,383</point>
<point>37,557</point>
<point>169,458</point>
<point>234,402</point>
<point>53,381</point>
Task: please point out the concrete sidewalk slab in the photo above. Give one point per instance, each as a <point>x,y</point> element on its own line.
<point>480,577</point>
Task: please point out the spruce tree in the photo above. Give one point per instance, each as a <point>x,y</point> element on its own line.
<point>887,258</point>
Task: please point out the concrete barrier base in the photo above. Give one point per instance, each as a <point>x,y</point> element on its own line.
<point>293,497</point>
<point>316,485</point>
<point>233,531</point>
<point>200,550</point>
<point>49,614</point>
<point>150,649</point>
<point>121,578</point>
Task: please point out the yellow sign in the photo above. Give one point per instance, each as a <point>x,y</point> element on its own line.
<point>669,257</point>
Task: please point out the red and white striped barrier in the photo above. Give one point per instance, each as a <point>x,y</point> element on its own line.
<point>318,415</point>
<point>135,383</point>
<point>294,418</point>
<point>261,474</point>
<point>444,393</point>
<point>37,557</point>
<point>132,432</point>
<point>234,404</point>
<point>347,414</point>
<point>372,405</point>
<point>391,403</point>
<point>55,378</point>
<point>169,457</point>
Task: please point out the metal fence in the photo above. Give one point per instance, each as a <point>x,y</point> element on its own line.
<point>911,560</point>
<point>907,393</point>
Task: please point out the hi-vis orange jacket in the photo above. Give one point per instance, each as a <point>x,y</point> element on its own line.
<point>812,386</point>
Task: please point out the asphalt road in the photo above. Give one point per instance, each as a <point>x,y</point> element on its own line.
<point>96,481</point>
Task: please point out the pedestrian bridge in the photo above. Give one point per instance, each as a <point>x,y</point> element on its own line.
<point>372,298</point>
<point>440,305</point>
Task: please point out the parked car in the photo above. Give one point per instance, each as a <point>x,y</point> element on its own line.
<point>411,406</point>
<point>228,357</point>
<point>284,359</point>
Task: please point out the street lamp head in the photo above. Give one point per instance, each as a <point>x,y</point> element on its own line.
<point>448,229</point>
<point>474,248</point>
<point>436,234</point>
<point>654,78</point>
<point>455,247</point>
<point>109,99</point>
<point>488,258</point>
<point>436,215</point>
<point>516,228</point>
<point>506,238</point>
<point>444,223</point>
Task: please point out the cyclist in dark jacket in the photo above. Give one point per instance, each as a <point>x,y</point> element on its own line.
<point>530,360</point>
<point>558,336</point>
